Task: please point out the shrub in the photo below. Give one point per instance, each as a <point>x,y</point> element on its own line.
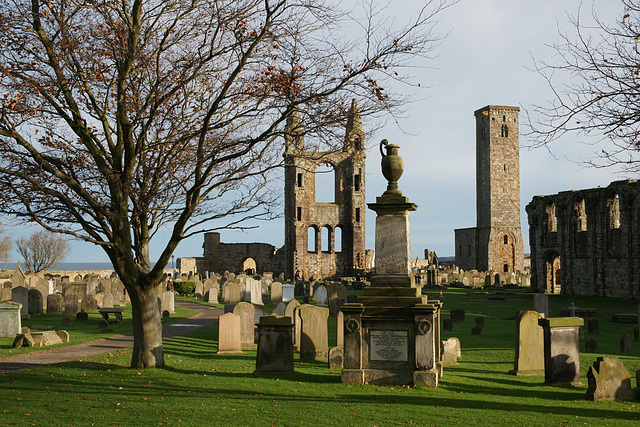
<point>184,287</point>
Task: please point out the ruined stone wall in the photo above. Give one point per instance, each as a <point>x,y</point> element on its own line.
<point>236,257</point>
<point>496,242</point>
<point>587,242</point>
<point>305,218</point>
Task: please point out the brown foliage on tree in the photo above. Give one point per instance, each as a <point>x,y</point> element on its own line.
<point>42,250</point>
<point>118,119</point>
<point>600,98</point>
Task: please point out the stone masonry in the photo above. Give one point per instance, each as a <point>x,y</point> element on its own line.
<point>587,242</point>
<point>495,244</point>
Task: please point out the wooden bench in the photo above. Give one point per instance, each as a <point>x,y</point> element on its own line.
<point>117,311</point>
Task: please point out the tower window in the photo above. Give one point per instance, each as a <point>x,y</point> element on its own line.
<point>299,213</point>
<point>506,268</point>
<point>357,214</point>
<point>299,180</point>
<point>506,239</point>
<point>356,182</point>
<point>504,118</point>
<point>504,131</point>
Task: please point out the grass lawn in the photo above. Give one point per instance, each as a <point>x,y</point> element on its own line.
<point>80,332</point>
<point>199,387</point>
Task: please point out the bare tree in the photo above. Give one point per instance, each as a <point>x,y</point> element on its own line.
<point>42,250</point>
<point>599,99</point>
<point>6,246</point>
<point>119,119</point>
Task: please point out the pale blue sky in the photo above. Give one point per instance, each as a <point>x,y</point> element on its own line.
<point>483,61</point>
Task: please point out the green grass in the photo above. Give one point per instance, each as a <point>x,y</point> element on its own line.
<point>199,387</point>
<point>80,332</point>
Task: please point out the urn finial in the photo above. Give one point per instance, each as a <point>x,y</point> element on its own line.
<point>392,167</point>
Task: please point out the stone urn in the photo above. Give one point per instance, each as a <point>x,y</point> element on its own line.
<point>392,166</point>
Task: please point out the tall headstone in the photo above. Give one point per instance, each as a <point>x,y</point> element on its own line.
<point>10,319</point>
<point>168,302</point>
<point>36,305</point>
<point>451,351</point>
<point>235,293</point>
<point>291,311</point>
<point>340,329</point>
<point>288,292</point>
<point>70,304</point>
<point>247,324</point>
<point>20,294</point>
<point>256,291</point>
<point>276,293</point>
<point>321,295</point>
<point>541,304</point>
<point>229,333</point>
<point>54,304</point>
<point>280,309</point>
<point>314,333</point>
<point>529,357</point>
<point>213,294</point>
<point>561,350</point>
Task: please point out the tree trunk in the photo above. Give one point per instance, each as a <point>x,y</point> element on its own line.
<point>147,328</point>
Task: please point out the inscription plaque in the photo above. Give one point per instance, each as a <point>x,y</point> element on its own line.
<point>389,346</point>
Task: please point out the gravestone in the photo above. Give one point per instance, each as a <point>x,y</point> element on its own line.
<point>35,302</point>
<point>608,379</point>
<point>20,294</point>
<point>480,321</point>
<point>70,304</point>
<point>340,329</point>
<point>82,315</point>
<point>229,334</point>
<point>89,304</point>
<point>334,306</point>
<point>561,350</point>
<point>541,304</point>
<point>10,319</point>
<point>447,325</point>
<point>457,315</point>
<point>54,304</point>
<point>43,288</point>
<point>275,346</point>
<point>235,293</point>
<point>314,341</point>
<point>593,326</point>
<point>291,311</point>
<point>591,345</point>
<point>280,309</point>
<point>107,299</point>
<point>451,351</point>
<point>476,330</point>
<point>199,291</point>
<point>64,335</point>
<point>258,312</point>
<point>336,358</point>
<point>5,294</point>
<point>626,344</point>
<point>66,321</point>
<point>168,302</point>
<point>321,295</point>
<point>529,356</point>
<point>256,291</point>
<point>288,292</point>
<point>247,324</point>
<point>213,294</point>
<point>276,293</point>
<point>299,290</point>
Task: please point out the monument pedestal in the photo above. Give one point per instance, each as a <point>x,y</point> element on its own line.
<point>392,334</point>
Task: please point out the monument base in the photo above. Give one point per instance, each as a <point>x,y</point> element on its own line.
<point>390,377</point>
<point>530,373</point>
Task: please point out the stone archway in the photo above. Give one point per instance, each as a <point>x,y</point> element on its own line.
<point>249,266</point>
<point>554,273</point>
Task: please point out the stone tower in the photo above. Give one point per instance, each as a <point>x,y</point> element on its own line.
<point>341,222</point>
<point>495,244</point>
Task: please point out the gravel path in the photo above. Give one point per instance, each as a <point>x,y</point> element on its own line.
<point>207,316</point>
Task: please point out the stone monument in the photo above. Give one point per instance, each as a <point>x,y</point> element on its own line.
<point>391,332</point>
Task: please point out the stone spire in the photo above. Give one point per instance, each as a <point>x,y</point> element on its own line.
<point>354,138</point>
<point>294,132</point>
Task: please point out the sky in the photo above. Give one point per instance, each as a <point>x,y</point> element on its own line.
<point>485,60</point>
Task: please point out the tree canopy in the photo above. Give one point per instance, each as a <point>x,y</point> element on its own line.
<point>120,119</point>
<point>598,98</point>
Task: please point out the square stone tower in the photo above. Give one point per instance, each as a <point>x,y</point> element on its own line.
<point>495,244</point>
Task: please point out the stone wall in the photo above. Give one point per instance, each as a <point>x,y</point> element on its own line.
<point>587,242</point>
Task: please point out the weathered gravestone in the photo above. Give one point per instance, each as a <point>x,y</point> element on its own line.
<point>529,357</point>
<point>321,295</point>
<point>54,304</point>
<point>626,344</point>
<point>451,351</point>
<point>288,292</point>
<point>276,293</point>
<point>20,294</point>
<point>336,357</point>
<point>89,304</point>
<point>66,321</point>
<point>35,302</point>
<point>70,304</point>
<point>168,302</point>
<point>229,333</point>
<point>480,321</point>
<point>10,319</point>
<point>561,350</point>
<point>235,293</point>
<point>5,295</point>
<point>591,345</point>
<point>593,326</point>
<point>247,323</point>
<point>340,329</point>
<point>476,330</point>
<point>213,294</point>
<point>292,311</point>
<point>447,325</point>
<point>275,346</point>
<point>457,315</point>
<point>107,299</point>
<point>43,288</point>
<point>280,309</point>
<point>334,306</point>
<point>608,379</point>
<point>314,341</point>
<point>541,304</point>
<point>256,291</point>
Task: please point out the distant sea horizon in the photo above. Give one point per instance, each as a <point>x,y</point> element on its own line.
<point>72,266</point>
